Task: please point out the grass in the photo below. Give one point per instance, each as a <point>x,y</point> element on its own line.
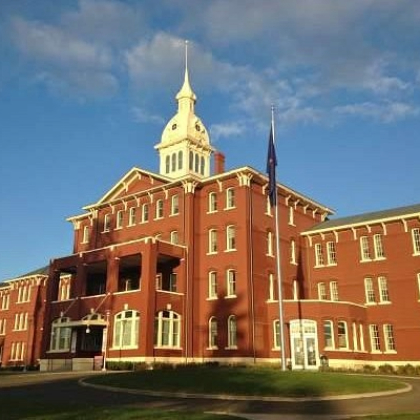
<point>129,413</point>
<point>258,381</point>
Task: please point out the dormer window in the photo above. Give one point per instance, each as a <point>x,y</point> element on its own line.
<point>174,126</point>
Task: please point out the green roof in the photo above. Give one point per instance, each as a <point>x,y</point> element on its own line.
<point>397,212</point>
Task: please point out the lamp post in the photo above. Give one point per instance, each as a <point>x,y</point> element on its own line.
<point>105,339</point>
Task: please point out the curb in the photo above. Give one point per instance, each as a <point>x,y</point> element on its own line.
<point>226,397</point>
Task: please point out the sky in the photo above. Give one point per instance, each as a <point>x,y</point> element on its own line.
<point>87,86</point>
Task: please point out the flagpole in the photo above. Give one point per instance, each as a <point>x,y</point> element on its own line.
<point>279,280</point>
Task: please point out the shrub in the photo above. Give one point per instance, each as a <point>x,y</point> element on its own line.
<point>369,369</point>
<point>386,369</point>
<point>408,370</point>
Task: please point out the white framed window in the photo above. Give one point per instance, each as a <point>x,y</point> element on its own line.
<point>212,241</point>
<point>230,283</point>
<point>271,287</point>
<point>362,338</point>
<point>293,259</point>
<point>173,282</point>
<point>180,160</point>
<point>213,333</point>
<point>232,332</point>
<point>319,255</point>
<point>159,209</point>
<point>145,213</point>
<point>120,219</point>
<point>132,216</point>
<point>369,290</point>
<point>5,302</point>
<point>364,248</point>
<point>383,289</point>
<point>331,253</point>
<point>167,164</point>
<point>212,285</point>
<point>295,290</point>
<point>17,351</point>
<point>268,206</point>
<point>334,290</point>
<point>24,293</point>
<point>329,334</point>
<point>126,329</point>
<point>375,343</point>
<point>230,198</point>
<point>60,336</point>
<point>167,329</point>
<point>230,238</point>
<point>378,247</point>
<point>270,247</point>
<point>173,162</point>
<point>389,338</point>
<point>276,334</point>
<point>291,216</point>
<point>175,205</point>
<point>174,237</point>
<point>415,235</point>
<point>212,203</point>
<point>3,326</point>
<point>418,284</point>
<point>322,291</point>
<point>107,222</point>
<point>85,237</point>
<point>342,334</point>
<point>202,165</point>
<point>354,332</point>
<point>64,289</point>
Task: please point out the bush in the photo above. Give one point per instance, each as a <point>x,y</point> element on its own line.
<point>369,369</point>
<point>386,369</point>
<point>407,370</point>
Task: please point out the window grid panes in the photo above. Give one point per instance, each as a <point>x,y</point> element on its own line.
<point>319,256</point>
<point>329,334</point>
<point>374,338</point>
<point>364,248</point>
<point>212,241</point>
<point>342,335</point>
<point>383,289</point>
<point>415,233</point>
<point>231,283</point>
<point>369,291</point>
<point>232,333</point>
<point>378,247</point>
<point>230,198</point>
<point>389,337</point>
<point>331,253</point>
<point>322,291</point>
<point>334,290</point>
<point>212,285</point>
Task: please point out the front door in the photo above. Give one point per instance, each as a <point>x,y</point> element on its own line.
<point>304,344</point>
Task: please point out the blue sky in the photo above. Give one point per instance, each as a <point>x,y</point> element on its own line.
<point>87,86</point>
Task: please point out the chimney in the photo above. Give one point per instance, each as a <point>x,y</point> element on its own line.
<point>219,162</point>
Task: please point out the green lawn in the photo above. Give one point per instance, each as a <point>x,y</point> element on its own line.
<point>129,413</point>
<point>247,381</point>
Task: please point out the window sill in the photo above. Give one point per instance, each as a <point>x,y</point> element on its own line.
<point>416,254</point>
<point>212,348</point>
<point>211,212</point>
<point>173,214</point>
<point>230,297</point>
<point>390,352</point>
<point>319,266</point>
<point>59,351</point>
<point>268,214</point>
<point>143,222</point>
<point>379,259</point>
<point>118,228</point>
<point>231,348</point>
<point>212,253</point>
<point>230,250</point>
<point>124,348</point>
<point>332,265</point>
<point>229,208</point>
<point>271,300</point>
<point>366,260</point>
<point>106,231</point>
<point>370,304</point>
<point>386,302</point>
<point>269,255</point>
<point>167,348</point>
<point>212,298</point>
<point>330,349</point>
<point>158,218</point>
<point>131,225</point>
<point>375,352</point>
<point>276,349</point>
<point>120,292</point>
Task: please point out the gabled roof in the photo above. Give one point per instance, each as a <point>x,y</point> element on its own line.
<point>43,271</point>
<point>366,218</point>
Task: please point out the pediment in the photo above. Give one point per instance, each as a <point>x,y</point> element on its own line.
<point>134,181</point>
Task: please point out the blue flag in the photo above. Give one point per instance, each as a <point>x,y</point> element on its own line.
<point>271,170</point>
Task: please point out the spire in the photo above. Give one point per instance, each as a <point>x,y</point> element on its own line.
<point>186,94</point>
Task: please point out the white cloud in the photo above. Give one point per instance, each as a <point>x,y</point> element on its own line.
<point>227,130</point>
<point>50,44</point>
<point>143,116</point>
<point>386,112</point>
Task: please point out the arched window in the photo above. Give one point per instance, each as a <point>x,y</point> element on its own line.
<point>60,335</point>
<point>196,163</point>
<point>213,333</point>
<point>126,329</point>
<point>167,329</point>
<point>167,164</point>
<point>173,168</point>
<point>202,165</point>
<point>180,160</point>
<point>232,332</point>
<point>191,161</point>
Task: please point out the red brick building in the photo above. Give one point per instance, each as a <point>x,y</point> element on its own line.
<point>180,266</point>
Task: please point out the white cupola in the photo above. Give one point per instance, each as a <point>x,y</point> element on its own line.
<point>185,144</point>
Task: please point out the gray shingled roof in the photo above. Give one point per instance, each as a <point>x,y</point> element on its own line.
<point>366,217</point>
<point>43,271</point>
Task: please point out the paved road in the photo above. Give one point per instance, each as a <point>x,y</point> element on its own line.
<point>41,389</point>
